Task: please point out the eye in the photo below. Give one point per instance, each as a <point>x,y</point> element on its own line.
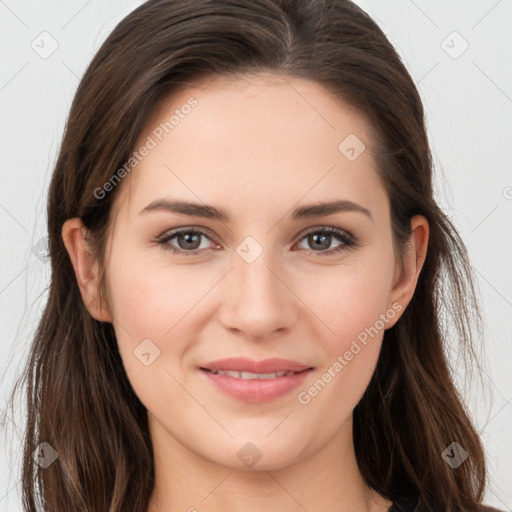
<point>188,241</point>
<point>320,239</point>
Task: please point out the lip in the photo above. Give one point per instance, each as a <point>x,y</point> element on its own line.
<point>255,390</point>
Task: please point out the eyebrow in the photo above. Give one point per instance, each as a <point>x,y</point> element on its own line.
<point>212,212</point>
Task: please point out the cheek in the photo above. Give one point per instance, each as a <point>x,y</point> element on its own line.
<point>147,296</point>
<point>150,306</point>
<point>351,297</point>
<point>352,305</point>
<point>153,300</point>
<point>138,299</point>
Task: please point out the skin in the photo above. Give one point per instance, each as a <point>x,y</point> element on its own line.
<point>258,146</point>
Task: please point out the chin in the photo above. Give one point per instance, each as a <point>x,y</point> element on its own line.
<point>258,454</point>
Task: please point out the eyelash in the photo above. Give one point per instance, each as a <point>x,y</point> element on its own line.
<point>348,241</point>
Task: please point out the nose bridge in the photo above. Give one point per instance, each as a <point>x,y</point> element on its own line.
<point>258,301</point>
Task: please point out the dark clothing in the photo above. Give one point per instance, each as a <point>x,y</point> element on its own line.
<point>411,503</point>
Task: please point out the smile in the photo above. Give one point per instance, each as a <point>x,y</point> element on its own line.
<point>251,375</point>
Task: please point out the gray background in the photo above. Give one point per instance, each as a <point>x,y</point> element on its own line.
<point>467,93</point>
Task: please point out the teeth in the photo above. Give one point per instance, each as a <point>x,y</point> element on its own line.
<point>250,375</point>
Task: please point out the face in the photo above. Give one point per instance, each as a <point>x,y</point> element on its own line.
<point>271,278</point>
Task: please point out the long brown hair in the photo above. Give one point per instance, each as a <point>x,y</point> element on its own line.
<point>77,392</point>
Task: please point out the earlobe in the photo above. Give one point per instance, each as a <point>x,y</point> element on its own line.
<point>85,266</point>
<point>406,275</point>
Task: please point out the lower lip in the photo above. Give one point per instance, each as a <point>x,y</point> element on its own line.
<point>256,390</point>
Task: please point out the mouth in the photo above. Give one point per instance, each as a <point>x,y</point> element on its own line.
<point>249,366</point>
<point>252,376</point>
<point>255,386</point>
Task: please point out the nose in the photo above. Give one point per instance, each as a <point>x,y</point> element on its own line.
<point>257,299</point>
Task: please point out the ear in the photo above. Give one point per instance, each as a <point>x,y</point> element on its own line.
<point>406,274</point>
<point>86,267</point>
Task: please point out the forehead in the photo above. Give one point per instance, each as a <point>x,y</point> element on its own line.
<point>250,141</point>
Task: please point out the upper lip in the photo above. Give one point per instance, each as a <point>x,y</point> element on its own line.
<point>242,364</point>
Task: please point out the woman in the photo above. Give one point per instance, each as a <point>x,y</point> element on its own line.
<point>248,267</point>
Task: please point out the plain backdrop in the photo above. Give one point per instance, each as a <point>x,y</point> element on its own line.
<point>459,54</point>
